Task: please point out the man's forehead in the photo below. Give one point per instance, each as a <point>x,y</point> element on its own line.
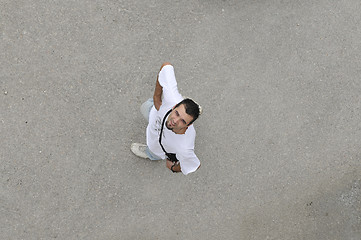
<point>182,111</point>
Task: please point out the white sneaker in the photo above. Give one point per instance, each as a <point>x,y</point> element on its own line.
<point>139,150</point>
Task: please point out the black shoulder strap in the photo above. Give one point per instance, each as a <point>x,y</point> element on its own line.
<point>161,131</point>
<point>171,156</point>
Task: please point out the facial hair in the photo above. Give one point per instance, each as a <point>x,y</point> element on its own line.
<point>166,124</point>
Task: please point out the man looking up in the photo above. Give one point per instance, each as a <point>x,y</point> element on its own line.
<point>170,133</point>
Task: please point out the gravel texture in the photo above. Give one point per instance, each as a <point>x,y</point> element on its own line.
<point>279,139</point>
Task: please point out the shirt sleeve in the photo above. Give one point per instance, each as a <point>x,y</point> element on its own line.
<point>188,161</point>
<point>168,81</point>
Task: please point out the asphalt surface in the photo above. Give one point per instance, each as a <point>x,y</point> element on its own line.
<point>279,139</point>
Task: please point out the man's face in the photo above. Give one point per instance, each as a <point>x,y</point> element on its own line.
<point>178,119</point>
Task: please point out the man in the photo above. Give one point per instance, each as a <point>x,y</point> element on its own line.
<point>170,133</point>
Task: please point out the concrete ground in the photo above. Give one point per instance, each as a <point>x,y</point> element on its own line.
<point>279,140</point>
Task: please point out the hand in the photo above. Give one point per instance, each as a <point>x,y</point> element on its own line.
<point>176,165</point>
<point>169,164</point>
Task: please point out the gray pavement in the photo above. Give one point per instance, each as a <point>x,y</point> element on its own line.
<point>279,139</point>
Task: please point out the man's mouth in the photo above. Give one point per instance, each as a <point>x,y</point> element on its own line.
<point>171,124</point>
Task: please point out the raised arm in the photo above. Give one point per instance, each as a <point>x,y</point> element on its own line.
<point>157,97</point>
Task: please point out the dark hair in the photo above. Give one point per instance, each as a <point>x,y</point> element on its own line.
<point>191,108</point>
